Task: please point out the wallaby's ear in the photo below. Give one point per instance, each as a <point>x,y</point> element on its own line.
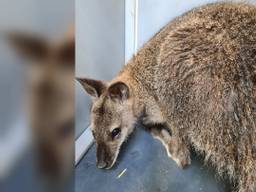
<point>28,45</point>
<point>93,87</point>
<point>119,91</point>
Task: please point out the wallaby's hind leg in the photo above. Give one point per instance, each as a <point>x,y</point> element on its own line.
<point>175,147</point>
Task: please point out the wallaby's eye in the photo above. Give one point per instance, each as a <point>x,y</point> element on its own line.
<point>115,132</point>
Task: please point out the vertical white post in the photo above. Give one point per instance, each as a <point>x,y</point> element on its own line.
<point>131,28</point>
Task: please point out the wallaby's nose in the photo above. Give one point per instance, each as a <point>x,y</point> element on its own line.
<point>102,155</point>
<point>101,164</point>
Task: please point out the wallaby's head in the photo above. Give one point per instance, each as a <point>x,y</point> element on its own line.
<point>112,117</point>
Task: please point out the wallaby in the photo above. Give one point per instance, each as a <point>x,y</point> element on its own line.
<point>50,98</point>
<point>192,85</point>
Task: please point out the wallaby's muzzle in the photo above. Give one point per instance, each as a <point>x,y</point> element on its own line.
<point>105,157</point>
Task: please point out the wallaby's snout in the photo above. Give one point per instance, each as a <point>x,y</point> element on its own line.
<point>104,159</point>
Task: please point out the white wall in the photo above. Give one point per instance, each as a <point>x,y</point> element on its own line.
<point>99,47</point>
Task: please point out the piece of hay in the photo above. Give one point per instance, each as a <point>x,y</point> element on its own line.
<point>121,173</point>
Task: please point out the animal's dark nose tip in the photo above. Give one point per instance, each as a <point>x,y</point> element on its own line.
<point>101,164</point>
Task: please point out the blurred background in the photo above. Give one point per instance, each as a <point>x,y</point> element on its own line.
<point>36,47</point>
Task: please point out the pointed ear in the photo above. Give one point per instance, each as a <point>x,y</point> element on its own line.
<point>28,45</point>
<point>93,87</point>
<point>119,91</point>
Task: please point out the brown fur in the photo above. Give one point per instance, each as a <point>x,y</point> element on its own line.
<point>197,76</point>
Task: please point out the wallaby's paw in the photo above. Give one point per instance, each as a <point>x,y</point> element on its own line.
<point>179,153</point>
<point>184,162</point>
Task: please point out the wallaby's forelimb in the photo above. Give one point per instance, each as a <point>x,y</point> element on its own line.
<point>174,145</point>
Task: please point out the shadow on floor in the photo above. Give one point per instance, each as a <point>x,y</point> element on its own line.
<point>148,170</point>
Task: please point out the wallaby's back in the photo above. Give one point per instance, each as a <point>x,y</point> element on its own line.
<point>201,69</point>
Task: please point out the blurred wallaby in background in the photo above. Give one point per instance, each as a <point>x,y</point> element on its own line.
<point>192,85</point>
<point>50,99</point>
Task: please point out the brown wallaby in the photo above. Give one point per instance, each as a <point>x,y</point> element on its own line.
<point>50,98</point>
<point>193,85</point>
